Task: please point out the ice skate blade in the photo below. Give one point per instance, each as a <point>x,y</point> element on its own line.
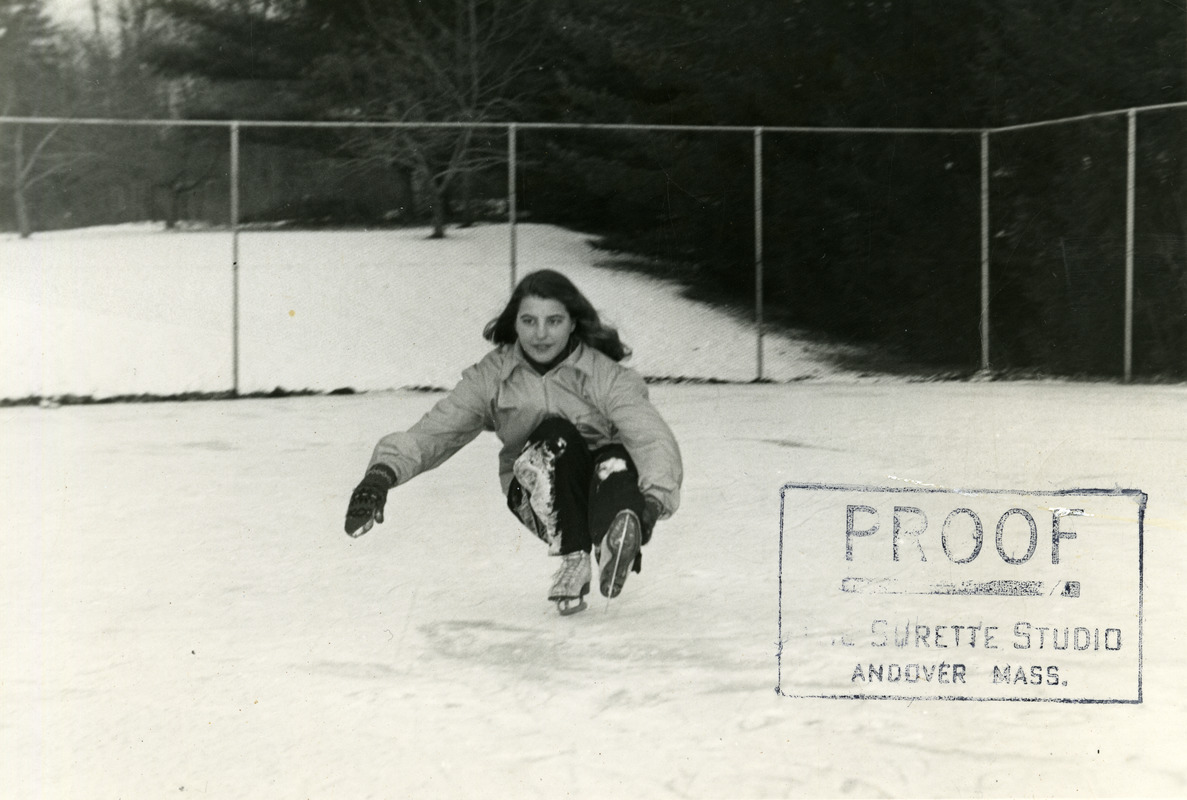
<point>571,605</point>
<point>618,551</point>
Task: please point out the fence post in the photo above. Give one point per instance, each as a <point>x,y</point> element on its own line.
<point>1130,181</point>
<point>985,250</point>
<point>758,254</point>
<point>512,197</point>
<point>235,257</point>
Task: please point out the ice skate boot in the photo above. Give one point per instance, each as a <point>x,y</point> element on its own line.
<point>570,584</point>
<point>616,554</point>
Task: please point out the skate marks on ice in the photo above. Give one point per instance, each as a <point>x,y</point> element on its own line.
<point>546,650</point>
<point>488,643</point>
<point>364,671</point>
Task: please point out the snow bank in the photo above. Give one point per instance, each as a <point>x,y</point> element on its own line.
<point>138,310</point>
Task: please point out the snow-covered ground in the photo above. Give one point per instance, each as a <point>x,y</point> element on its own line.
<point>181,612</point>
<point>130,310</point>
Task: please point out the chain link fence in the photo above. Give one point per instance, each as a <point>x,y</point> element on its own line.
<point>1052,248</point>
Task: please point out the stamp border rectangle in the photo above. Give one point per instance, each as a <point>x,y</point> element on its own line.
<point>1137,494</point>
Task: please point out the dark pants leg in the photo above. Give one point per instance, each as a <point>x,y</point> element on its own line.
<point>550,493</point>
<point>577,493</point>
<point>614,486</point>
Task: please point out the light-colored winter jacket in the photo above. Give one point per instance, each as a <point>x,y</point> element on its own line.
<point>606,401</point>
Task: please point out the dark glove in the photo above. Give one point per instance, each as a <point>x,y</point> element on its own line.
<point>652,509</point>
<point>651,514</point>
<point>368,499</point>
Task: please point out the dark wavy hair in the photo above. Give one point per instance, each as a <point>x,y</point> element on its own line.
<point>551,285</point>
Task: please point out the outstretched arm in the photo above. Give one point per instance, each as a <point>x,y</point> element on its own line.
<point>398,457</point>
<point>449,426</point>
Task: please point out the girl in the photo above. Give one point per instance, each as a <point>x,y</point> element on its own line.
<point>587,462</point>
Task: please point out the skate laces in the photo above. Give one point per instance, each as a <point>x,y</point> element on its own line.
<point>572,576</point>
<point>573,565</point>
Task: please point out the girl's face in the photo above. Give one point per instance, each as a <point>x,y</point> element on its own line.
<point>543,327</point>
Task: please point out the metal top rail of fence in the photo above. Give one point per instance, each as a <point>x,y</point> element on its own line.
<point>512,129</point>
<point>608,126</point>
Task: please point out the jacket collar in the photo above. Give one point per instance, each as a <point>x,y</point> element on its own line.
<point>514,359</point>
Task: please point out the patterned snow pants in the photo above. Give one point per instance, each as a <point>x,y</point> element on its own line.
<point>567,494</point>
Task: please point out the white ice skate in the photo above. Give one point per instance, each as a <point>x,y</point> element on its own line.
<point>616,554</point>
<point>570,584</point>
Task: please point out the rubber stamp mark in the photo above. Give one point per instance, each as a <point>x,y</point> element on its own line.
<point>998,588</point>
<point>906,593</point>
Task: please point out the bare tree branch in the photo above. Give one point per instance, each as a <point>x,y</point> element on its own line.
<point>23,170</point>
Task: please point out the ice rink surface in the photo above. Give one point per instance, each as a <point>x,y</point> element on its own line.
<point>182,614</point>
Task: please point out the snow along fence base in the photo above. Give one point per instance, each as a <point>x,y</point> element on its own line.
<point>514,130</point>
